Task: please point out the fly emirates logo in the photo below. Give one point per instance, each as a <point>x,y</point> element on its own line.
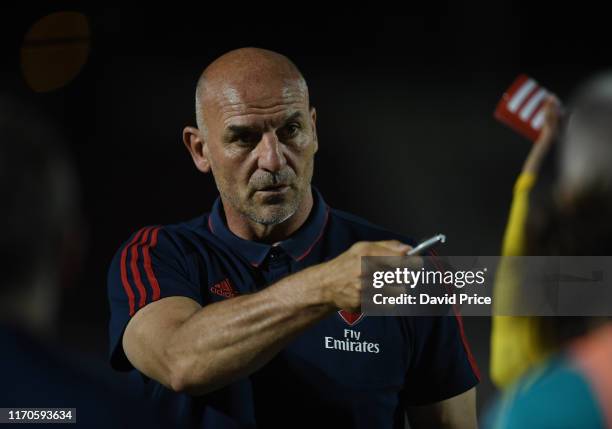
<point>351,343</point>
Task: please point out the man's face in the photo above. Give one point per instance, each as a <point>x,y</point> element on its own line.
<point>261,148</point>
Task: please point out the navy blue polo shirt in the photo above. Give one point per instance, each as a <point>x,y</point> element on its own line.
<point>348,370</point>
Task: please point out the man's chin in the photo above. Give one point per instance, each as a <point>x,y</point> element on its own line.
<point>272,214</point>
<point>273,207</point>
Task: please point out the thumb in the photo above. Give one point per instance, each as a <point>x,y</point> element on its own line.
<point>395,246</point>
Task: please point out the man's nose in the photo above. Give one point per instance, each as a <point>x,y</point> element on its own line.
<point>270,154</point>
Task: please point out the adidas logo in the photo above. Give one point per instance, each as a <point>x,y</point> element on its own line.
<point>224,288</point>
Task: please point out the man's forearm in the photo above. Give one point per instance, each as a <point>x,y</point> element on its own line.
<point>228,340</point>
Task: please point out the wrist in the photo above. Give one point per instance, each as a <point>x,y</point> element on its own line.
<point>317,286</point>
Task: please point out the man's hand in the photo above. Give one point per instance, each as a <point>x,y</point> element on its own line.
<point>342,277</point>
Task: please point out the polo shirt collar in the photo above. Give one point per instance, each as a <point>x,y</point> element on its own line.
<point>298,245</point>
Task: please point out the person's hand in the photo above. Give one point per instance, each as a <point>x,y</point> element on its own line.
<point>342,276</point>
<point>547,137</point>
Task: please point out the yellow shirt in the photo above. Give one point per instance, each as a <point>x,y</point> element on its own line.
<point>516,342</point>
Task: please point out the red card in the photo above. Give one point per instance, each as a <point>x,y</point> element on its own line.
<point>521,107</point>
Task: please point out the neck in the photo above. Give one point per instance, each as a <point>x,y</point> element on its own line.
<point>246,229</point>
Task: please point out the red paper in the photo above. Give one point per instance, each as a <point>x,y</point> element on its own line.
<point>521,107</point>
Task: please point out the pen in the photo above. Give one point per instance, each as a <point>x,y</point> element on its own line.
<point>430,242</point>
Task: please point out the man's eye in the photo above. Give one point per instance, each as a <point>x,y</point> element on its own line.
<point>293,129</point>
<point>247,139</point>
<point>290,131</point>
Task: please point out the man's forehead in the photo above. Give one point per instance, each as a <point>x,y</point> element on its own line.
<point>258,91</point>
<point>242,104</point>
<point>262,117</point>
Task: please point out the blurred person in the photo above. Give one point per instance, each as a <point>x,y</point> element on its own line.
<point>518,342</point>
<point>566,380</point>
<point>248,316</point>
<point>40,252</point>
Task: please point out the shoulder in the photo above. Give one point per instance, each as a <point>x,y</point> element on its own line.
<point>172,245</point>
<point>167,236</point>
<point>362,229</point>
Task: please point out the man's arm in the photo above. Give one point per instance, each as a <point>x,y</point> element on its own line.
<point>198,349</point>
<point>458,412</point>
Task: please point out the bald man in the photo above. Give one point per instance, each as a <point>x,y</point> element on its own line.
<point>248,316</point>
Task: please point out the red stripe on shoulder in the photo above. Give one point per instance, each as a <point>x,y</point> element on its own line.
<point>123,267</point>
<point>136,272</point>
<point>147,264</point>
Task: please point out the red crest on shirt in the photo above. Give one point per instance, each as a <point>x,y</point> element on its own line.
<point>351,318</point>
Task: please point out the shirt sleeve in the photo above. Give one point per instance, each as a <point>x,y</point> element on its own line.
<point>148,267</point>
<point>442,365</point>
<point>514,240</point>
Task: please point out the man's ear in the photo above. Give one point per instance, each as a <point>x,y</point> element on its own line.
<point>313,119</point>
<point>196,146</point>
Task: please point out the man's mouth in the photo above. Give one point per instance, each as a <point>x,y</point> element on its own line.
<point>274,188</point>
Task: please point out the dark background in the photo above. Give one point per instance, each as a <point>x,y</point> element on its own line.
<point>405,103</point>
